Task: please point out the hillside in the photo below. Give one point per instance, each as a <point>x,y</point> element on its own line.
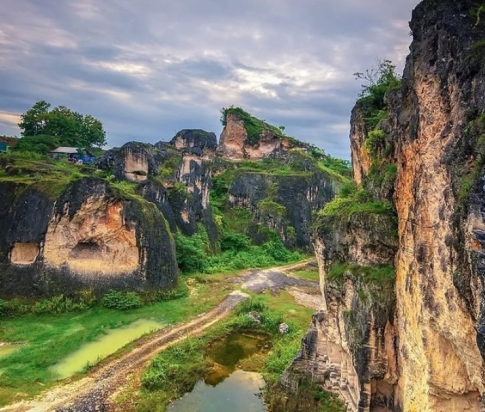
<point>146,212</point>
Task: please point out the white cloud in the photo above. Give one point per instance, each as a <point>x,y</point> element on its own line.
<point>151,67</point>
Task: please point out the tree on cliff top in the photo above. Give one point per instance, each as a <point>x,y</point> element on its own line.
<point>377,82</point>
<point>68,128</point>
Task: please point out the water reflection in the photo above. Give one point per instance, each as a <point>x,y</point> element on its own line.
<point>240,392</point>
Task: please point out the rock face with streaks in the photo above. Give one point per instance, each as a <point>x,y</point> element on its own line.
<point>245,137</point>
<point>439,192</point>
<point>91,237</point>
<point>416,342</point>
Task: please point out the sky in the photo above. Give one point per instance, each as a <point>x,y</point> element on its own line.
<point>149,68</point>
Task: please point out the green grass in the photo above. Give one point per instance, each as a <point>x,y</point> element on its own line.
<point>346,207</point>
<point>176,370</point>
<point>311,275</point>
<point>382,273</point>
<point>47,339</point>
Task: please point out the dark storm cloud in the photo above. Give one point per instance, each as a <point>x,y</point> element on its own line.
<point>150,68</point>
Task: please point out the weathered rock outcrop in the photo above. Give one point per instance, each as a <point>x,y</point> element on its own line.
<point>280,195</point>
<point>195,141</point>
<point>174,177</point>
<point>421,348</point>
<point>260,142</point>
<point>90,237</point>
<point>439,272</point>
<point>282,203</point>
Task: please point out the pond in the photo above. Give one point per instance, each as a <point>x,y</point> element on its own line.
<point>225,387</point>
<point>8,348</point>
<point>240,392</point>
<point>92,352</point>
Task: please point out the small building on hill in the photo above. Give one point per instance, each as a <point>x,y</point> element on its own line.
<point>73,154</point>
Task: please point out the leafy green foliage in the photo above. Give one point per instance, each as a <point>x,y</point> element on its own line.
<point>357,202</point>
<point>377,82</point>
<point>371,273</point>
<point>169,167</point>
<point>193,253</point>
<point>37,144</point>
<point>469,173</point>
<point>55,305</point>
<point>272,207</point>
<point>68,128</point>
<point>121,300</point>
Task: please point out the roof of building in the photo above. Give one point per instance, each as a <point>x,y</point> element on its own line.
<point>68,150</point>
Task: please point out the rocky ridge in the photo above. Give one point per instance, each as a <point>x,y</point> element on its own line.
<point>414,341</point>
<point>114,226</point>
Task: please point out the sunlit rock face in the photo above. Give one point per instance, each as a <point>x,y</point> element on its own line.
<point>24,253</point>
<point>420,345</point>
<point>96,240</point>
<point>234,143</point>
<point>439,274</point>
<point>88,237</point>
<point>174,176</point>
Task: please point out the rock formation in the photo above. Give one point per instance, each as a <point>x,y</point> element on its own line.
<point>245,137</point>
<point>116,231</point>
<point>90,237</point>
<point>415,344</point>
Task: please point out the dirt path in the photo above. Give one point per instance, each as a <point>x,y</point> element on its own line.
<point>92,392</point>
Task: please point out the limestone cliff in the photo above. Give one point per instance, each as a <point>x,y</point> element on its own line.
<point>275,195</point>
<point>172,175</point>
<point>245,137</point>
<point>89,237</point>
<point>418,344</point>
<point>439,153</point>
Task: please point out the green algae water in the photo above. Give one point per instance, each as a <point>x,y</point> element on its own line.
<point>93,352</point>
<point>6,349</point>
<point>224,387</point>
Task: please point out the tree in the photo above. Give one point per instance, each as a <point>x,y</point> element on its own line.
<point>33,121</point>
<point>382,78</point>
<point>68,128</point>
<point>38,144</point>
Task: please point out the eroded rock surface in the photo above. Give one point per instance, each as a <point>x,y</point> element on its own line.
<point>235,145</point>
<point>89,237</point>
<point>418,346</point>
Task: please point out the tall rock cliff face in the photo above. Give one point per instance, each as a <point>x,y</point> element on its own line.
<point>90,237</point>
<point>173,175</point>
<point>439,262</point>
<point>417,344</point>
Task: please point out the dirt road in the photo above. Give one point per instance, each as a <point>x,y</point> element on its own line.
<point>92,392</point>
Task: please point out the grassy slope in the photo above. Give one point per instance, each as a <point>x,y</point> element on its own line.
<point>49,338</point>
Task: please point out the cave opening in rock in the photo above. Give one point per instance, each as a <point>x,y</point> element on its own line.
<point>86,250</point>
<point>24,253</point>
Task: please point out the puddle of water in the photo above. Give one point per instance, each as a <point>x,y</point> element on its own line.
<point>224,388</point>
<point>7,348</point>
<point>93,352</point>
<point>227,352</point>
<point>240,392</point>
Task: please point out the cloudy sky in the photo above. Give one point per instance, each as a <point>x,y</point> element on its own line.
<point>148,68</point>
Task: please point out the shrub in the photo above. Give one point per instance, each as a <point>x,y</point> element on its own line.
<point>191,251</point>
<point>121,300</point>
